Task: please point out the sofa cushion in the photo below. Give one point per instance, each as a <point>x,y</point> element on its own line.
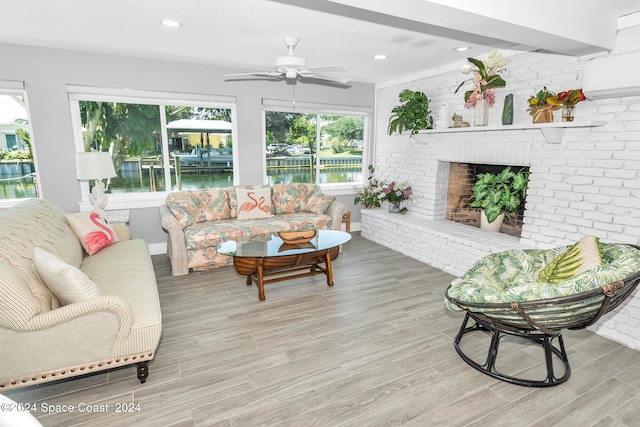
<point>31,223</point>
<point>190,207</point>
<point>18,305</point>
<point>213,204</point>
<point>214,233</point>
<point>293,197</point>
<point>93,231</point>
<point>183,207</point>
<point>254,203</point>
<point>319,203</point>
<point>67,282</point>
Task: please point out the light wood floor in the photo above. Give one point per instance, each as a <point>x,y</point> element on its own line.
<point>376,349</point>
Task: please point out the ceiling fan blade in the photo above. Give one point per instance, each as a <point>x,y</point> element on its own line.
<point>327,77</point>
<point>325,69</point>
<point>268,74</point>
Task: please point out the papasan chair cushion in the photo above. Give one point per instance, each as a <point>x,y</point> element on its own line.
<point>513,276</point>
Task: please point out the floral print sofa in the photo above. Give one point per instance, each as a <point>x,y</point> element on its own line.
<point>198,221</point>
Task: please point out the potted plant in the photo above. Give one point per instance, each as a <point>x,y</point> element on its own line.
<point>499,194</point>
<point>413,114</point>
<point>370,194</point>
<point>542,105</point>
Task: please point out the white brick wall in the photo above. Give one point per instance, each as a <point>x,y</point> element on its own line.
<point>589,184</point>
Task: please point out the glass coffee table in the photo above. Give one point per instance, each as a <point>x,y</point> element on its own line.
<point>266,255</point>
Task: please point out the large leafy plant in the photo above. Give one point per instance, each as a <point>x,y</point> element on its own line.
<point>413,114</point>
<point>499,193</point>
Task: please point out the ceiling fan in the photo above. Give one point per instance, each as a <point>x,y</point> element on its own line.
<point>291,67</point>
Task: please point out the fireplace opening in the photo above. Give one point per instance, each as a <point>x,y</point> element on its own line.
<point>462,177</point>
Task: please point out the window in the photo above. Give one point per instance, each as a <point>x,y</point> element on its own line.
<point>18,178</point>
<point>157,143</point>
<point>317,145</point>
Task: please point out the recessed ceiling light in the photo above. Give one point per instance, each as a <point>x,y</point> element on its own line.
<point>380,56</point>
<point>170,23</point>
<point>461,48</point>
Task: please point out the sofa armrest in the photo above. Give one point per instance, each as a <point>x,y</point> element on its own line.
<point>89,331</point>
<point>105,303</point>
<point>176,244</point>
<point>336,211</point>
<point>122,231</point>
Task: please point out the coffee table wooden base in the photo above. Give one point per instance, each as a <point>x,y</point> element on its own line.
<point>257,268</point>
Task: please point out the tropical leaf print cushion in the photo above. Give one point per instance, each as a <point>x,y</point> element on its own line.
<point>511,275</point>
<point>582,256</point>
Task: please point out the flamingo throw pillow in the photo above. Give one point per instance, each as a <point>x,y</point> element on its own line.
<point>254,203</point>
<point>93,231</point>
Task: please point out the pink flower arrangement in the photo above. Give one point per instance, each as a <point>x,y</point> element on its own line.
<point>396,192</point>
<point>485,79</point>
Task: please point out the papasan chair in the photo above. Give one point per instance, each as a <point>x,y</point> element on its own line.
<point>534,294</point>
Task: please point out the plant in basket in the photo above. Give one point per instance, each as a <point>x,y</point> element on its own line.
<point>542,105</point>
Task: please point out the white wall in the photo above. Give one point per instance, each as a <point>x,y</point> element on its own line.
<point>590,184</point>
<point>47,72</point>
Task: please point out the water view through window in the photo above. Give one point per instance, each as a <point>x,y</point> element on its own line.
<point>17,170</point>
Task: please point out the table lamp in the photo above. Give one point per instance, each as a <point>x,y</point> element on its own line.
<point>95,165</point>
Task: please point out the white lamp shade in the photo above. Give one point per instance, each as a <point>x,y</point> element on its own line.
<point>94,165</point>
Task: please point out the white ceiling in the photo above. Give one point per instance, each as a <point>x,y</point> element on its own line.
<point>247,35</point>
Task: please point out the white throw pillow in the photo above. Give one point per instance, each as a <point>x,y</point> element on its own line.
<point>66,282</point>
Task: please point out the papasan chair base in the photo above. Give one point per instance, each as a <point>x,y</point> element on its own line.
<point>541,322</point>
<point>489,365</point>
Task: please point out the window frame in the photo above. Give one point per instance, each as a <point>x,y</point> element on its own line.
<point>14,87</point>
<point>287,106</point>
<point>162,99</point>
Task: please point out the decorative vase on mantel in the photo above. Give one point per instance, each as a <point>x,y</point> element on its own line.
<point>481,113</point>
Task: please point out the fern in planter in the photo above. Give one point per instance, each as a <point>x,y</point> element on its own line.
<point>412,115</point>
<point>499,193</point>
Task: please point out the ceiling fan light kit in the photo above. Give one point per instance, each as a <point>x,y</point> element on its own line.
<point>294,67</point>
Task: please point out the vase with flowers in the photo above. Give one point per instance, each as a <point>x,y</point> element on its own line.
<point>396,194</point>
<point>486,78</point>
<point>569,99</point>
<point>542,105</point>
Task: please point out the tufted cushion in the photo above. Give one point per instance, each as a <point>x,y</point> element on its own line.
<point>93,231</point>
<point>582,256</point>
<point>510,275</point>
<point>67,282</point>
<point>17,304</point>
<point>293,197</point>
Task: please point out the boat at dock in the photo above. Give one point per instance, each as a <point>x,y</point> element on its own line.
<point>205,157</point>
